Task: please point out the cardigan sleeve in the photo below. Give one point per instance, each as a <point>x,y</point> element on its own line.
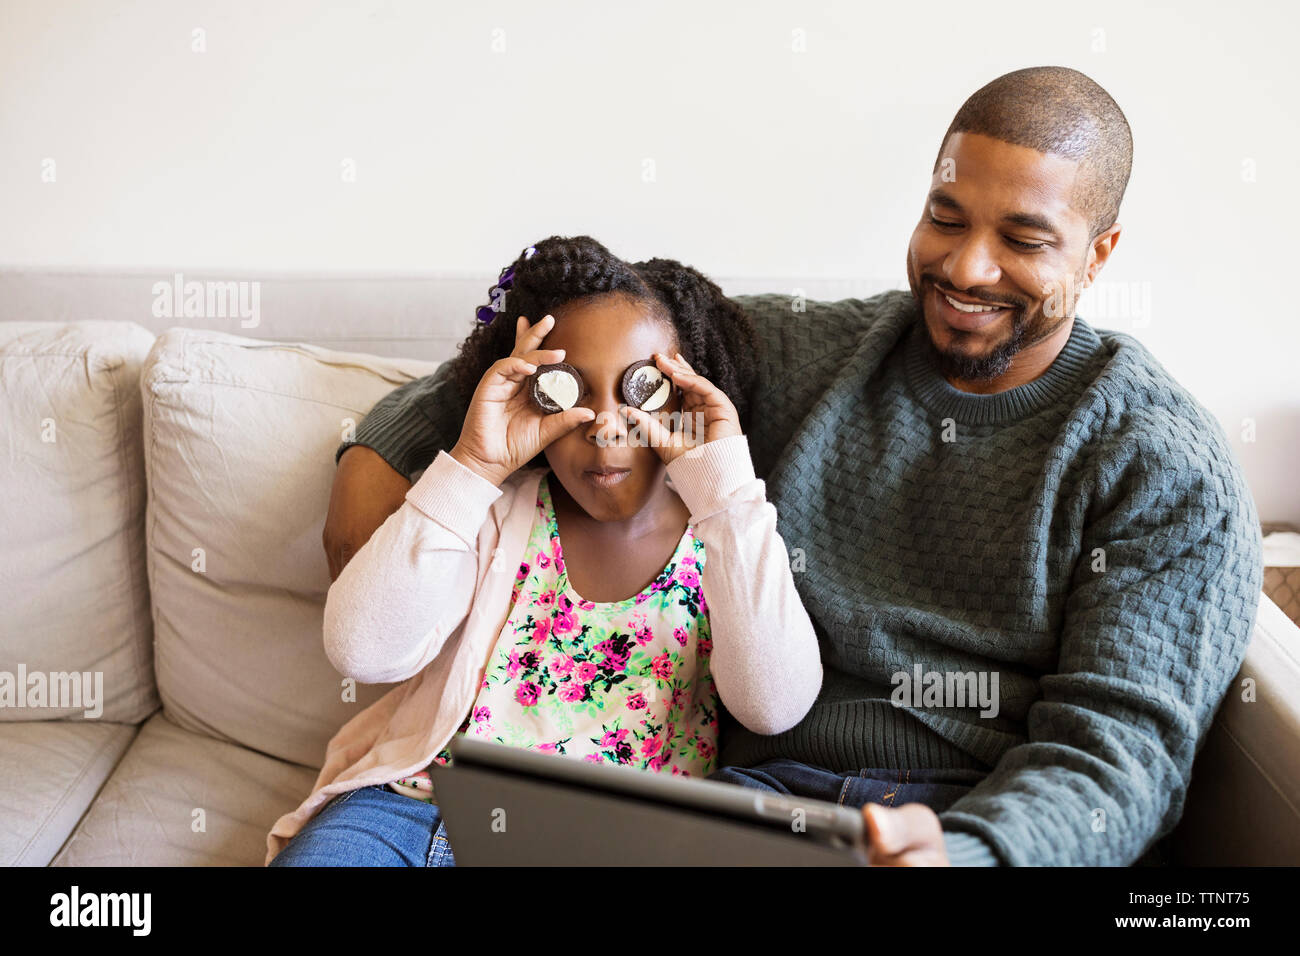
<point>766,661</point>
<point>411,585</point>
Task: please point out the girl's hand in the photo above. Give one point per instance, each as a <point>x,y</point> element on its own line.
<point>503,429</point>
<point>706,413</point>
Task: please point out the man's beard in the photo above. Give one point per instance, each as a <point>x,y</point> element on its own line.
<point>967,368</point>
<point>1027,328</point>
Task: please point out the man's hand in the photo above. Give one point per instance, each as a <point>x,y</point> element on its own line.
<point>366,491</point>
<point>910,835</point>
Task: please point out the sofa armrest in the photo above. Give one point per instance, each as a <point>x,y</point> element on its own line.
<point>1243,805</point>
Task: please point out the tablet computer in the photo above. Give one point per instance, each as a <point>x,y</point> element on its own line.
<point>505,806</point>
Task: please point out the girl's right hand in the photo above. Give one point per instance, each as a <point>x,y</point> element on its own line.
<point>503,429</point>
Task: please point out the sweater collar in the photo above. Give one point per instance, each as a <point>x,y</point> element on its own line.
<point>1060,381</point>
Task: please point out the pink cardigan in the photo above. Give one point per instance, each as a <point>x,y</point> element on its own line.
<point>424,601</point>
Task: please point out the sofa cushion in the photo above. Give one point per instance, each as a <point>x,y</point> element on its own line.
<point>240,441</point>
<point>72,515</point>
<point>52,770</point>
<point>146,813</point>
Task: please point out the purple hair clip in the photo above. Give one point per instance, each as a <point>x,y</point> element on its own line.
<point>497,294</point>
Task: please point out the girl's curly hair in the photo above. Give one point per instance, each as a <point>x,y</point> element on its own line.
<point>715,335</point>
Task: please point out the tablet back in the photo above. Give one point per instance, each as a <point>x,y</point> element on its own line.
<point>508,807</point>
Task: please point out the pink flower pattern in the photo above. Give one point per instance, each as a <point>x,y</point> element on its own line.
<point>625,682</point>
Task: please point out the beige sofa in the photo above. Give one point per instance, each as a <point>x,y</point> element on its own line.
<point>161,504</point>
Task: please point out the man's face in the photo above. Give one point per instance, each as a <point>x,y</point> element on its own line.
<point>1000,256</point>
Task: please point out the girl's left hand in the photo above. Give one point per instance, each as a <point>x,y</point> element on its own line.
<point>706,413</point>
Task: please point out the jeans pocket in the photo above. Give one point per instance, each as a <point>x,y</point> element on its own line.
<point>439,847</point>
<point>879,786</point>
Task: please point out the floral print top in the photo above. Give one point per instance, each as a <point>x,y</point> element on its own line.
<point>623,682</point>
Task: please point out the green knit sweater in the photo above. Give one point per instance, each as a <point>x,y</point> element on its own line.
<point>1086,539</point>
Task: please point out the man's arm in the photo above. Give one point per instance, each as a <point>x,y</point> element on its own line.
<point>412,423</point>
<point>393,607</point>
<point>399,437</point>
<point>1148,648</point>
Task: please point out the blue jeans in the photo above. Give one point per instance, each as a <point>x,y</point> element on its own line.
<point>371,826</point>
<point>937,789</point>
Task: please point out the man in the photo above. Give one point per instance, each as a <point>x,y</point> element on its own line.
<point>987,493</point>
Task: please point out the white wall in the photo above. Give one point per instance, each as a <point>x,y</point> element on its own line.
<point>767,162</point>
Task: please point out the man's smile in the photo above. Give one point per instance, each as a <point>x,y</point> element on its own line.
<point>965,313</point>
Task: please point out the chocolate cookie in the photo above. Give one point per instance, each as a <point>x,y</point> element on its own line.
<point>555,388</point>
<point>645,386</point>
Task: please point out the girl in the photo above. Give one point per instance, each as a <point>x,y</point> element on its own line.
<point>592,583</point>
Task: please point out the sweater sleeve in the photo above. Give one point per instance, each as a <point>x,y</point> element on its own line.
<point>1160,611</point>
<point>411,585</point>
<point>766,661</point>
<point>412,423</point>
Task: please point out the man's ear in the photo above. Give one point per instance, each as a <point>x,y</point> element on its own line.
<point>1099,252</point>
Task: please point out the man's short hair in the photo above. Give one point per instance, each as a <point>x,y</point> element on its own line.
<point>1054,109</point>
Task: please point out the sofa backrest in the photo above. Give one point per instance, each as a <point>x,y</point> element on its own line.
<point>75,634</point>
<point>240,436</point>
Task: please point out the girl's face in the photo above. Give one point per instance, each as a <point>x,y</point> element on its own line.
<point>601,336</point>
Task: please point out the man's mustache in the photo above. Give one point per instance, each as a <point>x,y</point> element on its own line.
<point>1015,301</point>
